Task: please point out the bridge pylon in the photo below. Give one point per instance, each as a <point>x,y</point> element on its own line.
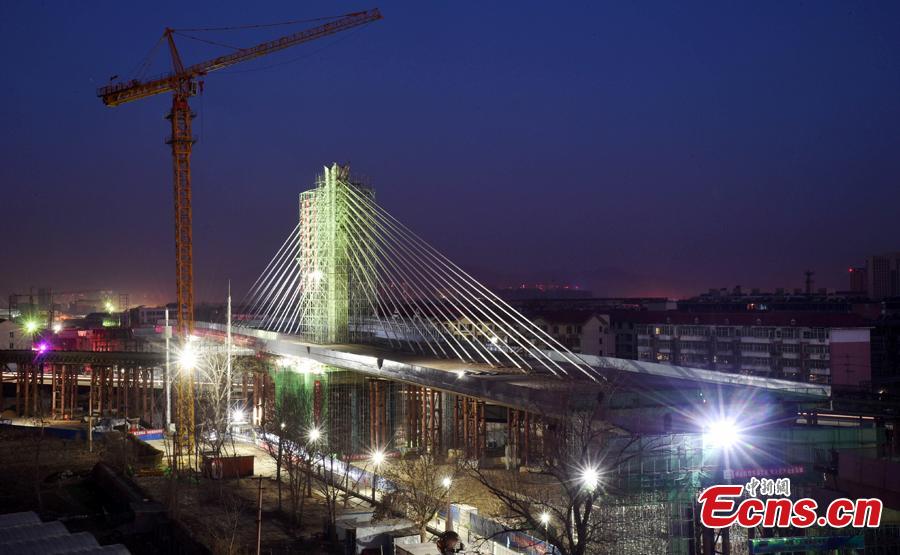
<point>336,297</point>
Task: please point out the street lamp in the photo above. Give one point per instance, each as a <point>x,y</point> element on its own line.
<point>545,519</point>
<point>590,478</point>
<point>278,461</point>
<point>31,326</point>
<point>447,482</point>
<point>57,327</point>
<point>314,435</point>
<point>238,416</point>
<point>377,459</point>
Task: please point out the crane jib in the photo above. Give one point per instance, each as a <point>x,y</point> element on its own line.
<point>119,93</point>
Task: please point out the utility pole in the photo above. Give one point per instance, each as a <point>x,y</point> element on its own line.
<point>228,353</point>
<point>259,519</point>
<point>168,377</point>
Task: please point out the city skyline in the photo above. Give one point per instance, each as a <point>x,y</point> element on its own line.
<point>668,170</point>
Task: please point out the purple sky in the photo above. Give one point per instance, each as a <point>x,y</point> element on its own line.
<point>632,148</point>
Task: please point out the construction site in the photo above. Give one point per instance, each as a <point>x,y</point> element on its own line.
<point>368,395</point>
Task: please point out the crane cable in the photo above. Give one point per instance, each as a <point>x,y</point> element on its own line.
<point>141,68</point>
<point>262,25</point>
<point>346,36</point>
<point>207,41</point>
<point>144,64</point>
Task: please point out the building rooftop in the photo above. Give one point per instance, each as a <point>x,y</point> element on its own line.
<point>787,318</point>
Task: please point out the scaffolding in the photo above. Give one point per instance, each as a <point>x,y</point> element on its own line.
<point>335,302</point>
<point>350,272</point>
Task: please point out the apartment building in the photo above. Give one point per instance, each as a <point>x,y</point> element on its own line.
<point>804,346</point>
<point>883,275</point>
<point>581,332</point>
<point>13,336</point>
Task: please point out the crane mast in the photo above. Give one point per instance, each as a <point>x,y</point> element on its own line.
<point>182,83</point>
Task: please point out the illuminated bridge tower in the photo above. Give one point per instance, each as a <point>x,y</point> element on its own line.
<point>337,300</point>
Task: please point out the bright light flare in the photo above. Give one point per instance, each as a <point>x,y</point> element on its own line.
<point>31,326</point>
<point>238,416</point>
<point>721,434</point>
<point>57,327</point>
<point>590,478</point>
<point>544,518</point>
<point>314,435</point>
<point>301,365</point>
<point>447,482</point>
<point>378,457</point>
<point>187,357</point>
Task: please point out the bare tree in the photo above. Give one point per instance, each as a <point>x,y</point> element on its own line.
<point>286,438</point>
<point>337,481</point>
<point>420,488</point>
<point>230,508</point>
<point>40,423</point>
<point>561,499</point>
<point>213,412</point>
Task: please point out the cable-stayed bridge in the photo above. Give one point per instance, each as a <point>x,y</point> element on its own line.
<point>349,272</point>
<point>353,291</point>
<point>385,332</point>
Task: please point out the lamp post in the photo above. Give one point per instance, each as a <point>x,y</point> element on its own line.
<point>278,461</point>
<point>168,375</point>
<point>187,363</point>
<point>313,437</point>
<point>720,436</point>
<point>377,459</point>
<point>545,522</point>
<point>447,482</point>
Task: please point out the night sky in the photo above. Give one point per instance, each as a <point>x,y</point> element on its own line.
<point>643,148</point>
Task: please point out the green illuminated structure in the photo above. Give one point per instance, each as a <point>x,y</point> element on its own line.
<point>333,297</point>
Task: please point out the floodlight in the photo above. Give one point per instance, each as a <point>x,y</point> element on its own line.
<point>722,433</point>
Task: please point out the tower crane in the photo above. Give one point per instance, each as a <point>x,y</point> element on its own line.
<point>183,83</point>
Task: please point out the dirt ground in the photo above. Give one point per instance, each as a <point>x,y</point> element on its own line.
<point>219,514</point>
<point>222,514</point>
<point>45,473</point>
<point>36,470</point>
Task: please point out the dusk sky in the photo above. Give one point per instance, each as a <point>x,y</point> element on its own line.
<point>640,148</point>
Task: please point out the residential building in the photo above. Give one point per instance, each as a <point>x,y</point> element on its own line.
<point>858,279</point>
<point>883,275</point>
<point>12,336</point>
<point>885,342</point>
<point>582,332</point>
<point>805,346</point>
<point>144,316</point>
